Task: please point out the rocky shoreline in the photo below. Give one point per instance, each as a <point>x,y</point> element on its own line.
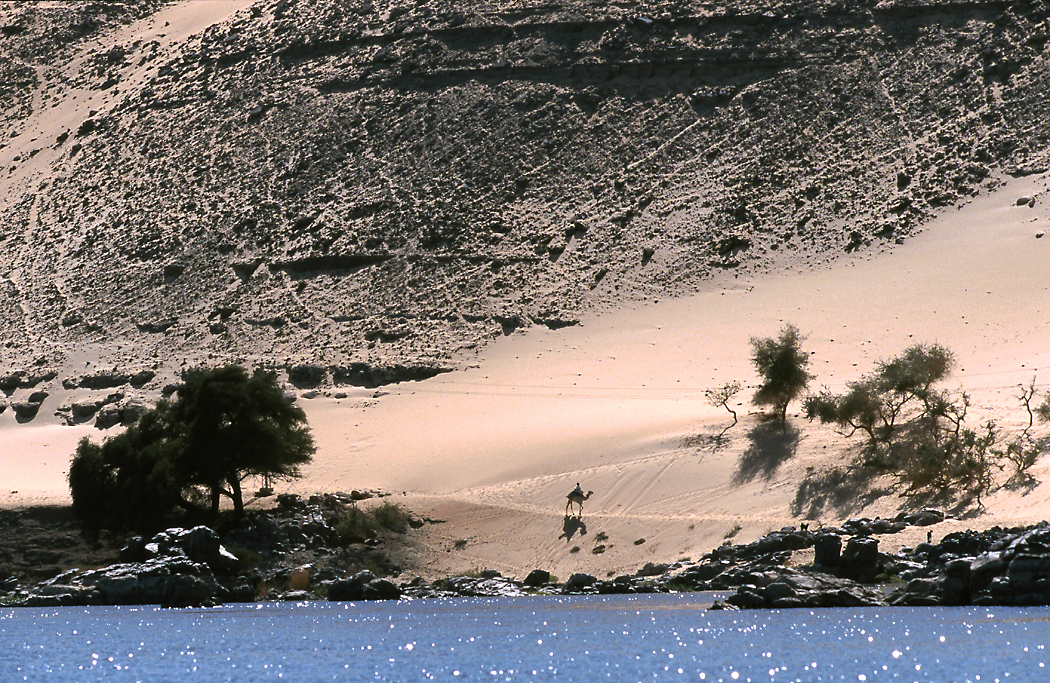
<point>193,568</point>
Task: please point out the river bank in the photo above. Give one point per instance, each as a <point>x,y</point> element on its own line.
<point>324,548</point>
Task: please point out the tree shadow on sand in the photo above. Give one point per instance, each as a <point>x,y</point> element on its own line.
<point>571,526</point>
<point>772,443</point>
<point>840,489</point>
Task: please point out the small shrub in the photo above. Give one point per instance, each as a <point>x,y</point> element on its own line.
<point>732,532</point>
<point>248,557</point>
<point>391,516</point>
<point>356,526</point>
<point>1022,452</point>
<point>723,395</point>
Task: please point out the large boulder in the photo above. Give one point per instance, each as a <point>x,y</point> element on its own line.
<point>792,588</point>
<point>578,582</point>
<point>380,589</point>
<point>363,586</point>
<point>860,561</point>
<point>827,549</point>
<point>168,581</point>
<point>537,578</point>
<point>201,544</point>
<point>352,588</point>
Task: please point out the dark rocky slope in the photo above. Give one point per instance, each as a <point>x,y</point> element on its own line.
<point>357,191</point>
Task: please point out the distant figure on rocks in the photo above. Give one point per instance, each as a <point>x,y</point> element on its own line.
<point>576,496</point>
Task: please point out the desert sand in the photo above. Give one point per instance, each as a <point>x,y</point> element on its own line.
<point>617,404</point>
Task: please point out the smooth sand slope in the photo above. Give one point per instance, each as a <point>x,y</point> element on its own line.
<point>617,403</point>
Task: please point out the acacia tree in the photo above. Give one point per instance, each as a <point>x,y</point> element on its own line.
<point>232,426</point>
<point>916,429</point>
<point>222,427</point>
<point>782,364</point>
<point>875,403</point>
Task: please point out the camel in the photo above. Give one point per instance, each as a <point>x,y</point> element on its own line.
<point>577,496</point>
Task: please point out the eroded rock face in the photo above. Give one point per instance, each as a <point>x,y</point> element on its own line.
<point>168,581</point>
<point>293,183</point>
<point>790,588</point>
<point>994,567</point>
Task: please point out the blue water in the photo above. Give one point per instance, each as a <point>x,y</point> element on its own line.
<point>596,638</point>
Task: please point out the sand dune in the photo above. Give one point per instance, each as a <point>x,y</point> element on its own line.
<point>617,404</point>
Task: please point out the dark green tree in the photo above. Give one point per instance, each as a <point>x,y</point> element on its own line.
<point>232,426</point>
<point>222,427</point>
<point>782,364</point>
<point>128,481</point>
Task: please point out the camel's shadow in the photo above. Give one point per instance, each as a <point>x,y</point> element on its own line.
<point>571,526</point>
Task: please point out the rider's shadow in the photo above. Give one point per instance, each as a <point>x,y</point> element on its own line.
<point>571,526</point>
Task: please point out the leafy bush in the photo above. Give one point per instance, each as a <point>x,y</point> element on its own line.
<point>915,429</point>
<point>222,427</point>
<point>782,364</point>
<point>248,557</point>
<point>357,525</point>
<point>391,516</point>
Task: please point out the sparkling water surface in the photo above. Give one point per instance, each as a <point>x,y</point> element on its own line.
<point>580,638</point>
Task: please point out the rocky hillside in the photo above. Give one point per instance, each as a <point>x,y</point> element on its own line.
<point>357,192</point>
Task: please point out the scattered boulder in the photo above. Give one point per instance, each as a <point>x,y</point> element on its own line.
<point>26,410</point>
<point>827,549</point>
<point>577,582</point>
<point>924,517</point>
<point>537,578</point>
